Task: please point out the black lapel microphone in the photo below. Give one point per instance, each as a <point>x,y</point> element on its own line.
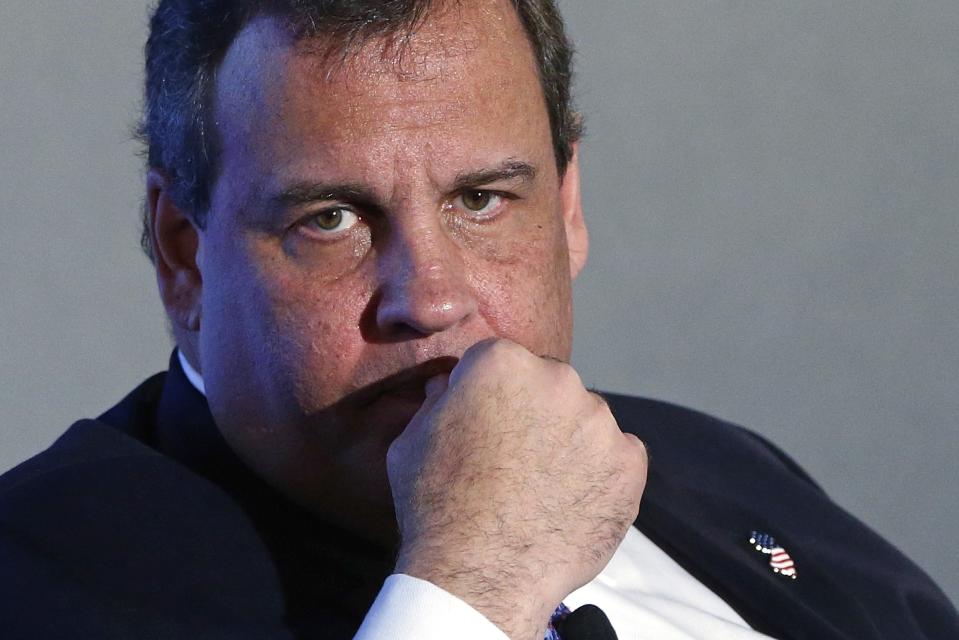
<point>586,623</point>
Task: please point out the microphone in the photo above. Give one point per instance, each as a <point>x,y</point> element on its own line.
<point>586,623</point>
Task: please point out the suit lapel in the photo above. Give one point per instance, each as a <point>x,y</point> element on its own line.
<point>329,577</point>
<point>702,501</point>
<point>708,536</point>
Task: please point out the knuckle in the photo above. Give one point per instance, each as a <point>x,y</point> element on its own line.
<point>598,397</point>
<point>640,448</point>
<point>602,407</point>
<point>566,375</point>
<point>498,349</point>
<point>479,349</point>
<point>488,356</point>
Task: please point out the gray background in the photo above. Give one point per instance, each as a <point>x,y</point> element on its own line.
<point>772,192</point>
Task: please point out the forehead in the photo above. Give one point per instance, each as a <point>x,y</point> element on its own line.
<point>466,64</point>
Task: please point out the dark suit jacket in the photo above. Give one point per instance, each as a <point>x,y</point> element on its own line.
<point>142,524</point>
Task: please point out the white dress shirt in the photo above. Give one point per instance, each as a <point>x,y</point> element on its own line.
<point>644,592</point>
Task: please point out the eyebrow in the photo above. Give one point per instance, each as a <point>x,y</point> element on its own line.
<point>303,193</point>
<point>508,170</point>
<point>307,192</point>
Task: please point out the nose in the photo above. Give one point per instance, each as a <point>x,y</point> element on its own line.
<point>424,287</point>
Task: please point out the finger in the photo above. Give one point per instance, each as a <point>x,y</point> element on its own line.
<point>434,389</point>
<point>437,385</point>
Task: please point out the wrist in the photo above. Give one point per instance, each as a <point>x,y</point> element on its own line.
<point>510,601</point>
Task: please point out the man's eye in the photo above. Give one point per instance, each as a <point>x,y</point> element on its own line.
<point>333,220</point>
<point>480,202</point>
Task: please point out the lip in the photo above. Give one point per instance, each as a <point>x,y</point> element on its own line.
<point>408,385</point>
<point>413,391</point>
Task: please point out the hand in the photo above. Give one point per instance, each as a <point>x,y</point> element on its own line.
<point>513,485</point>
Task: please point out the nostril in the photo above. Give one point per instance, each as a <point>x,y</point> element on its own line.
<point>423,306</point>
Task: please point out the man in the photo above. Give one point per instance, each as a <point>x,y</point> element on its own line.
<point>365,218</point>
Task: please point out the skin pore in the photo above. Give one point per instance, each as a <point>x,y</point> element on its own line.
<point>371,220</point>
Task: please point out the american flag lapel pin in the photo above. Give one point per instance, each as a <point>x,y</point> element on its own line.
<point>779,559</point>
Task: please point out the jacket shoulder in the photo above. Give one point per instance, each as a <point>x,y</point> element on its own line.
<point>711,483</point>
<point>677,435</point>
<point>106,536</point>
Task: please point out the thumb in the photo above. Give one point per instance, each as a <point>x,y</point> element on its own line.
<point>434,389</point>
<point>436,386</point>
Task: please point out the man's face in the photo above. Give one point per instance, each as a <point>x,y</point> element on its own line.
<point>372,219</point>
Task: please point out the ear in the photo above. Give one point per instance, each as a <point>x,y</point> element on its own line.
<point>577,238</point>
<point>175,244</point>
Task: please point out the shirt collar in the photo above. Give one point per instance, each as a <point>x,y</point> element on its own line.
<point>191,374</point>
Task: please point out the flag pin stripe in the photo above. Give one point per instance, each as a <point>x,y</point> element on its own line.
<point>779,559</point>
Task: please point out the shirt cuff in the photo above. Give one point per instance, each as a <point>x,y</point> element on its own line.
<point>408,607</point>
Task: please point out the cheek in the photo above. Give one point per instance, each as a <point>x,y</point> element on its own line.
<point>315,327</point>
<point>281,331</point>
<point>525,292</point>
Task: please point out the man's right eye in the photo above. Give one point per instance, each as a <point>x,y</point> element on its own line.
<point>333,220</point>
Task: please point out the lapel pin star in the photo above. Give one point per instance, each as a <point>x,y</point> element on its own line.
<point>779,560</point>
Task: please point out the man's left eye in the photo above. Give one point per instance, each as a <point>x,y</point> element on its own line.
<point>479,202</point>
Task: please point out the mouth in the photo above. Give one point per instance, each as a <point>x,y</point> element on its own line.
<point>411,391</point>
<point>405,387</point>
<point>386,406</point>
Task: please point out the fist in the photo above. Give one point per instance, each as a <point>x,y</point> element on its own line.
<point>512,485</point>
